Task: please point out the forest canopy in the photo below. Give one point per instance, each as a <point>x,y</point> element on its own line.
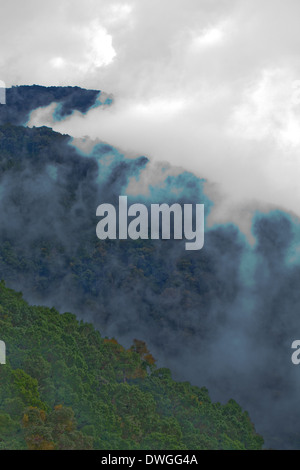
<point>66,387</point>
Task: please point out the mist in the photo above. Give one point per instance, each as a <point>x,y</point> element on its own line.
<point>199,103</point>
<point>223,317</point>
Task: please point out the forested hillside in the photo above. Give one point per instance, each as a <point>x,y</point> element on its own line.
<point>66,387</point>
<point>221,317</point>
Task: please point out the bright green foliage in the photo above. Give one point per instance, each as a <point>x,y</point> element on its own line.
<point>65,387</point>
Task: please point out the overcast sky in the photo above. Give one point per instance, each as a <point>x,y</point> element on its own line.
<point>210,85</point>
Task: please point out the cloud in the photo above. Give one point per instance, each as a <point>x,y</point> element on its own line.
<point>211,86</point>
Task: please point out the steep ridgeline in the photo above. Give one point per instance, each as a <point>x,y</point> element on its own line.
<point>21,100</point>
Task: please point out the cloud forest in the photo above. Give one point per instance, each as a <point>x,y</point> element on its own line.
<point>134,343</point>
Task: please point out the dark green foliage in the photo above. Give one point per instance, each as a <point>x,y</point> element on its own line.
<point>65,387</point>
<point>55,431</point>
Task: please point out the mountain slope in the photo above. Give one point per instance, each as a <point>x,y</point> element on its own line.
<point>58,367</point>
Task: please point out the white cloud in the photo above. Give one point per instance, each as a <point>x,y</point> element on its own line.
<point>209,37</point>
<point>99,44</point>
<point>58,62</point>
<point>119,12</point>
<point>270,108</point>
